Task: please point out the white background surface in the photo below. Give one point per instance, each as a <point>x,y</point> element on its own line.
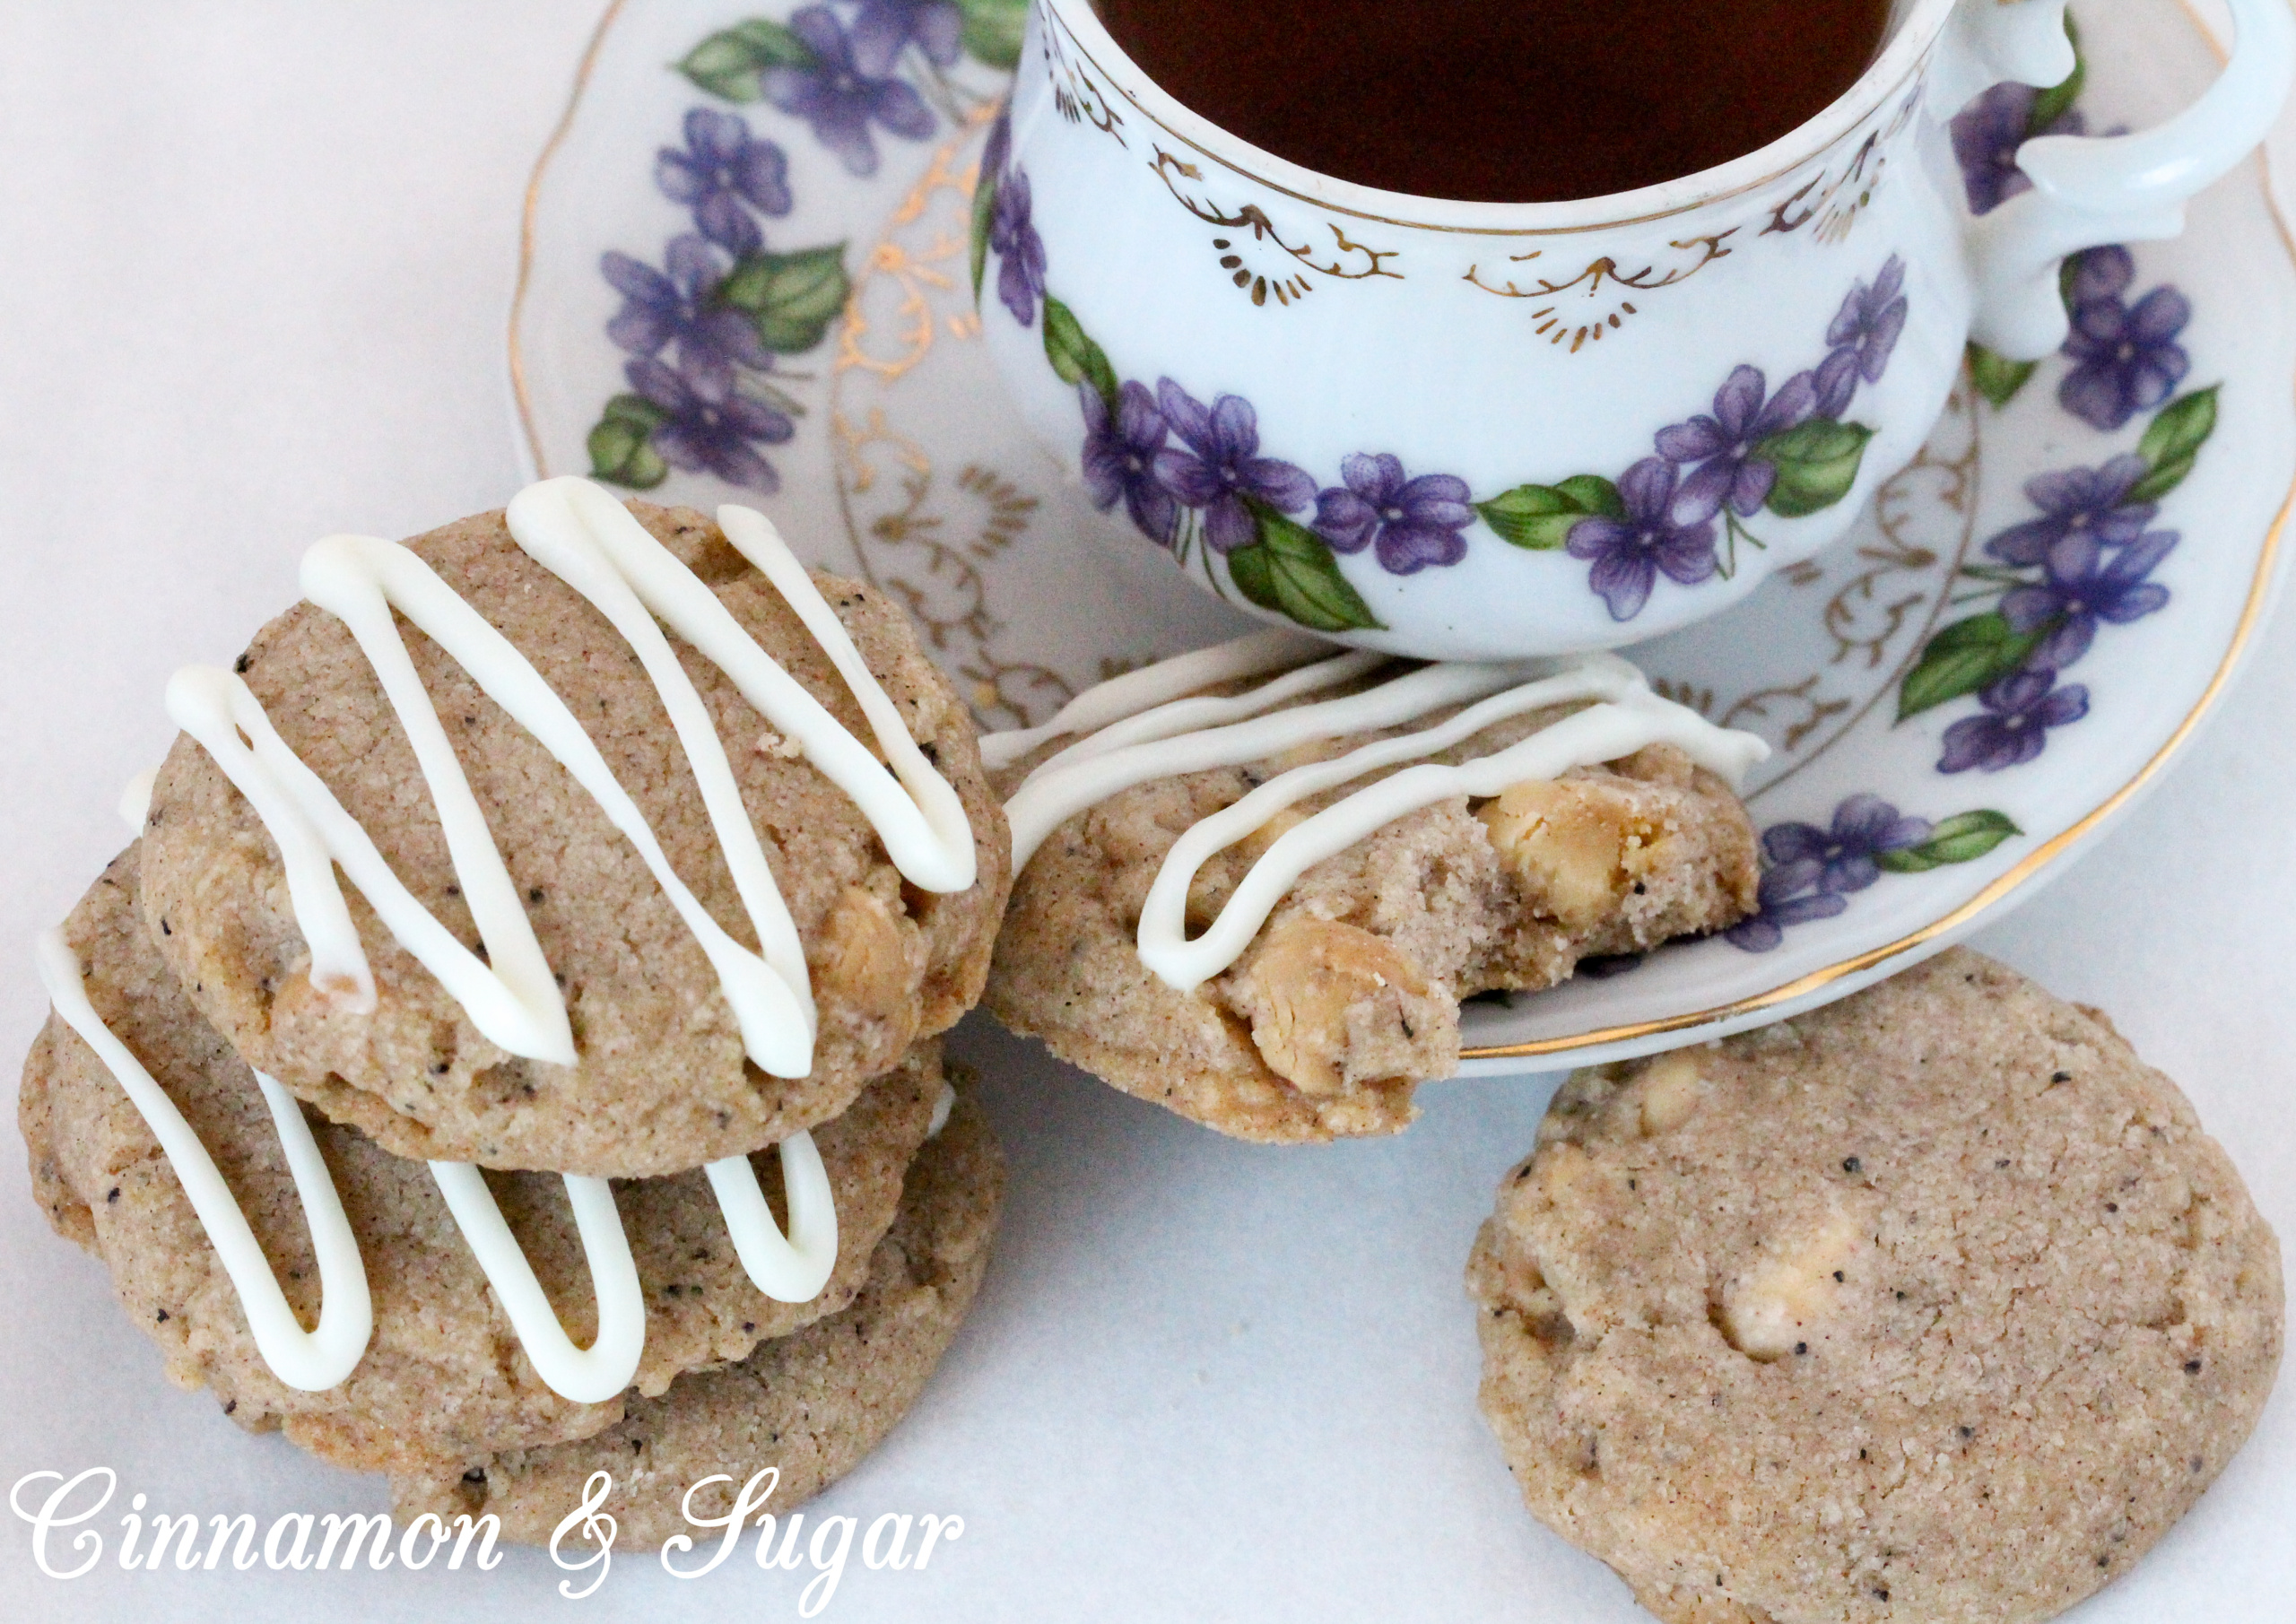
<point>254,264</point>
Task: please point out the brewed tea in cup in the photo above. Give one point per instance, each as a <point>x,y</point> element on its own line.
<point>1503,101</point>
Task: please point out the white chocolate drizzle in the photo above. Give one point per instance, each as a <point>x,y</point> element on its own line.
<point>135,800</point>
<point>587,1376</point>
<point>1165,736</point>
<point>1152,685</point>
<point>592,543</point>
<point>312,1359</point>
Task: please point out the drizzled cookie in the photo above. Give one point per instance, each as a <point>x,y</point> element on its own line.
<point>566,834</point>
<point>1257,882</point>
<point>591,841</point>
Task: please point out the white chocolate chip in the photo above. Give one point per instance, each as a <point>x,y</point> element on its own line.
<point>1309,979</point>
<point>1574,847</point>
<point>1672,1088</point>
<point>1781,1302</point>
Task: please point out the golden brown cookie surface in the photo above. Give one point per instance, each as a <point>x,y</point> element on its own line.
<point>1348,996</point>
<point>662,1082</point>
<point>444,1370</point>
<point>809,1404</point>
<point>1937,1303</point>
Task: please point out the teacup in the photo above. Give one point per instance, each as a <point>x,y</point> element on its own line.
<point>1484,430</point>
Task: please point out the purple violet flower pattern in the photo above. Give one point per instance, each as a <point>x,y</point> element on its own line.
<point>1840,860</point>
<point>849,88</point>
<point>2019,711</point>
<point>2082,586</point>
<point>2126,359</point>
<point>1862,337</point>
<point>1411,524</point>
<point>2083,563</point>
<point>1020,251</point>
<point>2086,559</point>
<point>1217,466</point>
<point>2078,501</point>
<point>1629,554</point>
<point>1987,136</point>
<point>1779,908</point>
<point>678,308</point>
<point>1652,522</point>
<point>703,333</point>
<point>721,174</point>
<point>1729,472</point>
<point>1809,872</point>
<point>885,27</point>
<point>710,427</point>
<point>1120,451</point>
<point>998,150</point>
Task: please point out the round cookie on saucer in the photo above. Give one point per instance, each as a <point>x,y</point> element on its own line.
<point>1937,1303</point>
<point>1261,903</point>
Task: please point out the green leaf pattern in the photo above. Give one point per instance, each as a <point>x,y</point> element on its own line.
<point>1541,517</point>
<point>1292,571</point>
<point>792,298</point>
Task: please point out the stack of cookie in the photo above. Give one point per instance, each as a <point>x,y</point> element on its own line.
<point>645,951</point>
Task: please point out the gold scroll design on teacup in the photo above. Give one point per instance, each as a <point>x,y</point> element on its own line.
<point>1346,260</point>
<point>1073,93</point>
<point>924,540</point>
<point>1559,325</point>
<point>1890,594</point>
<point>1834,199</point>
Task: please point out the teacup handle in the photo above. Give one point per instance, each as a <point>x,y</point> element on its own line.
<point>2089,191</point>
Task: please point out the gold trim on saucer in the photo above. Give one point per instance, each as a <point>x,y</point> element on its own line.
<point>582,72</point>
<point>2250,615</point>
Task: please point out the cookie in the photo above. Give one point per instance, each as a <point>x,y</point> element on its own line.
<point>1344,995</point>
<point>444,1370</point>
<point>665,1075</point>
<point>809,1404</point>
<point>1936,1304</point>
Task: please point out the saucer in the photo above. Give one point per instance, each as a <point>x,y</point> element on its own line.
<point>2023,629</point>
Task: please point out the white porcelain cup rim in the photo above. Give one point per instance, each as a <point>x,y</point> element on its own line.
<point>1193,272</point>
<point>1911,39</point>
